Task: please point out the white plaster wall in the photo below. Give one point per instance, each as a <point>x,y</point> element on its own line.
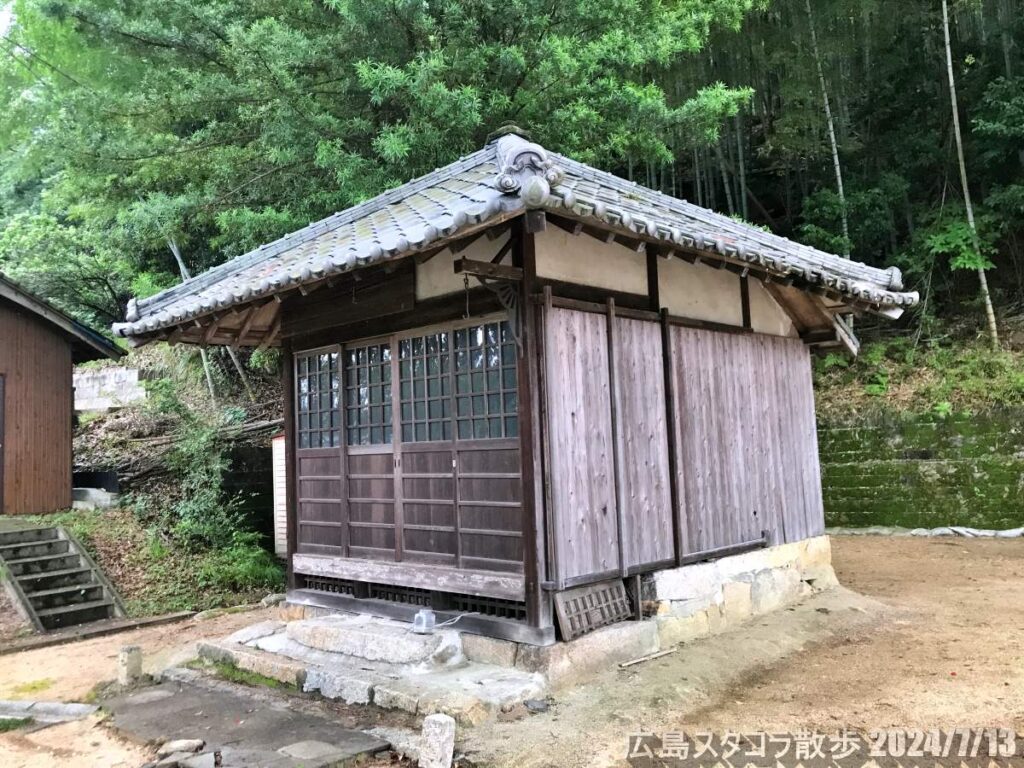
<point>587,261</point>
<point>700,292</point>
<point>766,316</point>
<point>437,277</point>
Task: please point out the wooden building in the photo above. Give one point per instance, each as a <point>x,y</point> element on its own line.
<point>39,345</point>
<point>518,375</point>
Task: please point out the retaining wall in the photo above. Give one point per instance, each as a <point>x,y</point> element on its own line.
<point>925,471</point>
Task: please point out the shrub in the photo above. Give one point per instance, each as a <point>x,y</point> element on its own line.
<point>244,565</point>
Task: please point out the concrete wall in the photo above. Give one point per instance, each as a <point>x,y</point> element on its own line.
<point>101,389</point>
<point>925,471</point>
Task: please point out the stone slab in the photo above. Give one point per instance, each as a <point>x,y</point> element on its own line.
<point>363,637</point>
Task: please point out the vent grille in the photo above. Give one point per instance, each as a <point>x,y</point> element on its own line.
<point>584,609</point>
<point>329,585</point>
<point>489,606</point>
<point>423,598</point>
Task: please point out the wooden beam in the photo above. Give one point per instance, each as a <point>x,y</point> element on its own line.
<point>618,460</point>
<point>745,301</point>
<point>669,370</point>
<point>243,332</point>
<point>272,333</point>
<point>211,330</point>
<point>653,285</point>
<point>290,459</point>
<point>493,233</point>
<point>535,221</point>
<point>460,245</point>
<point>572,226</point>
<point>487,269</point>
<point>502,252</point>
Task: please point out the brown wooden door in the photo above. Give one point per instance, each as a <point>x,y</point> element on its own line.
<point>435,479</point>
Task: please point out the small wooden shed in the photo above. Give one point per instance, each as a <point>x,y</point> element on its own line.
<point>519,374</point>
<point>39,346</point>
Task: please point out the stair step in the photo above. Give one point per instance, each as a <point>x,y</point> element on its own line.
<point>80,613</point>
<point>65,596</point>
<point>24,551</point>
<point>43,564</point>
<point>28,535</point>
<point>66,577</point>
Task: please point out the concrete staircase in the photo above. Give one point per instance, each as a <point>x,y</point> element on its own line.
<point>54,583</point>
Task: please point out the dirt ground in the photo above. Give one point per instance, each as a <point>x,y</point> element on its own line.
<point>85,744</point>
<point>927,633</point>
<point>69,672</point>
<point>931,637</point>
<point>12,626</point>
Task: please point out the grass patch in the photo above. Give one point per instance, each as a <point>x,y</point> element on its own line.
<point>35,686</point>
<point>14,723</point>
<point>233,674</point>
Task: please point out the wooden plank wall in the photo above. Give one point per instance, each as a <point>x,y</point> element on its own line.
<point>581,473</point>
<point>36,365</point>
<point>642,429</point>
<point>748,457</point>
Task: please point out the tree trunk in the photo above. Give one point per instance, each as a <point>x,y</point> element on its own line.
<point>831,130</point>
<point>990,314</point>
<point>725,179</point>
<point>186,275</point>
<point>744,204</point>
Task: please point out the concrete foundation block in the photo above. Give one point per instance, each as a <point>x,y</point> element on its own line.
<point>564,663</point>
<point>736,603</point>
<point>489,650</point>
<point>820,577</point>
<point>437,744</point>
<point>673,630</point>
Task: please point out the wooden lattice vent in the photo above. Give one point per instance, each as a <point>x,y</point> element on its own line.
<point>583,609</point>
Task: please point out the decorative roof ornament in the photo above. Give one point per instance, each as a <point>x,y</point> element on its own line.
<point>525,168</point>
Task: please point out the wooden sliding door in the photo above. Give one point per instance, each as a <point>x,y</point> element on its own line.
<point>420,462</point>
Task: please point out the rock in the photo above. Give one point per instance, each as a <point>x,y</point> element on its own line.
<point>273,599</point>
<point>188,746</point>
<point>338,685</point>
<point>437,745</point>
<point>170,761</point>
<point>129,665</point>
<point>536,705</point>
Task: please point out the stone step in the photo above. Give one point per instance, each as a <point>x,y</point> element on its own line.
<point>59,597</point>
<point>45,564</point>
<point>28,535</point>
<point>369,639</point>
<point>71,615</point>
<point>470,692</point>
<point>27,550</point>
<point>68,577</point>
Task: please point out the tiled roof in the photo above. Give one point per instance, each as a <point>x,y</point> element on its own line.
<point>504,178</point>
<point>87,344</point>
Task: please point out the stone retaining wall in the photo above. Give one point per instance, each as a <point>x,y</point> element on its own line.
<point>925,471</point>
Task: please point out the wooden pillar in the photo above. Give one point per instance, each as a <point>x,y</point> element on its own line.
<point>675,492</point>
<point>538,600</point>
<point>618,459</point>
<point>291,509</point>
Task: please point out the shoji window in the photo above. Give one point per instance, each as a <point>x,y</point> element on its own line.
<point>485,382</point>
<point>424,371</point>
<point>368,394</point>
<point>317,402</point>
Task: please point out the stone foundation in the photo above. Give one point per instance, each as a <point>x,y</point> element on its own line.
<point>705,598</point>
<point>689,602</point>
